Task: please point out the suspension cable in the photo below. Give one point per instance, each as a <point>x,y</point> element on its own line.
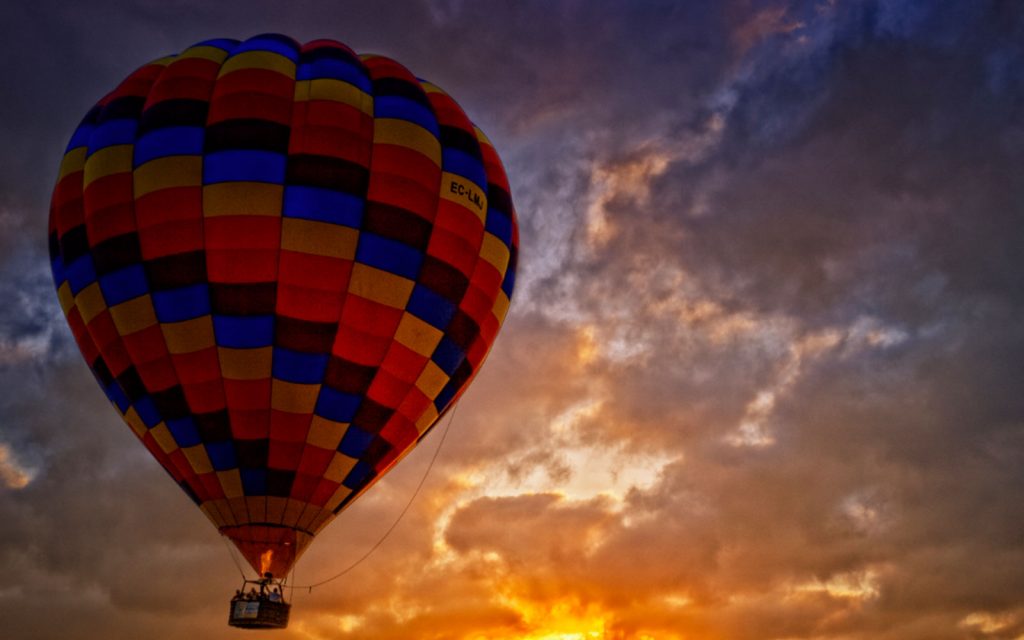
<point>394,524</point>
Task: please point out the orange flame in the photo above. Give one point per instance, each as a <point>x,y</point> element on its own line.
<point>265,559</point>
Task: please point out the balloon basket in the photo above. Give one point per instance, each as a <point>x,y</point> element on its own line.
<point>264,608</point>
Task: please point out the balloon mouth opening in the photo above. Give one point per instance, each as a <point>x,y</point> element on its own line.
<point>268,549</point>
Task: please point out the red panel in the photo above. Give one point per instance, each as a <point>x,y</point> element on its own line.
<point>318,272</point>
<point>387,389</point>
<point>308,304</point>
<point>243,232</point>
<point>370,317</point>
<point>166,205</point>
<point>315,460</point>
<point>414,404</point>
<point>462,222</point>
<point>104,334</point>
<point>249,425</point>
<point>185,78</point>
<point>284,455</point>
<point>289,427</point>
<point>360,347</point>
<point>198,366</point>
<point>241,265</point>
<point>109,191</point>
<point>323,492</point>
<point>404,363</point>
<point>171,238</point>
<point>304,485</point>
<point>245,395</point>
<point>157,374</point>
<point>204,397</point>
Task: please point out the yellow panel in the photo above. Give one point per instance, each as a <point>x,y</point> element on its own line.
<point>67,301</point>
<point>432,380</point>
<point>198,459</point>
<point>380,286</point>
<point>292,512</point>
<point>210,510</point>
<point>418,335</point>
<point>163,437</point>
<point>428,418</point>
<point>257,506</point>
<point>293,397</point>
<point>275,509</point>
<point>224,509</point>
<point>242,199</point>
<point>73,161</point>
<point>430,87</point>
<point>406,134</point>
<point>307,517</point>
<point>135,422</point>
<point>206,52</point>
<point>259,60</point>
<point>239,509</point>
<point>463,192</point>
<point>231,483</point>
<point>335,91</point>
<point>319,238</point>
<point>189,335</point>
<point>90,302</point>
<point>339,467</point>
<point>164,61</point>
<point>325,433</point>
<point>245,364</point>
<point>108,161</point>
<point>495,251</point>
<point>339,495</point>
<point>163,173</point>
<point>320,521</point>
<point>134,315</point>
<point>500,306</point>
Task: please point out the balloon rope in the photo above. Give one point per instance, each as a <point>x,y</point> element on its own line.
<point>231,552</point>
<point>394,524</point>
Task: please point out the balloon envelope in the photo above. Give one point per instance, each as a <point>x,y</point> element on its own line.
<point>282,263</point>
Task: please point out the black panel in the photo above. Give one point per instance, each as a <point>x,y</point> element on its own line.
<point>304,336</point>
<point>372,416</point>
<point>327,173</point>
<point>398,224</point>
<point>498,198</point>
<point>174,113</point>
<point>253,299</point>
<point>74,244</point>
<point>102,371</point>
<point>131,383</point>
<point>443,279</point>
<point>213,427</point>
<point>252,454</point>
<point>116,253</point>
<point>53,244</point>
<point>462,374</point>
<point>348,377</point>
<point>456,138</point>
<point>244,133</point>
<point>279,482</point>
<point>330,53</point>
<point>462,330</point>
<point>125,107</point>
<point>399,87</point>
<point>171,403</point>
<point>178,270</point>
<point>376,451</point>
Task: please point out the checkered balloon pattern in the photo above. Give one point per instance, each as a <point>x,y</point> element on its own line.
<point>283,263</point>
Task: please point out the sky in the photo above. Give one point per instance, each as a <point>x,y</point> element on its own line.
<point>762,376</point>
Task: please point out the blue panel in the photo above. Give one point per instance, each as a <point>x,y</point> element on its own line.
<point>169,141</point>
<point>499,225</point>
<point>244,165</point>
<point>277,43</point>
<point>446,395</point>
<point>298,367</point>
<point>118,397</point>
<point>80,274</point>
<point>226,44</point>
<point>337,406</point>
<point>184,431</point>
<point>112,132</point>
<point>124,284</point>
<point>147,411</point>
<point>430,307</point>
<point>185,303</point>
<point>222,455</point>
<point>334,69</point>
<point>448,355</point>
<point>355,442</point>
<point>405,109</point>
<point>461,163</point>
<point>510,282</point>
<point>254,482</point>
<point>80,138</point>
<point>57,270</point>
<point>390,255</point>
<point>243,332</point>
<point>359,474</point>
<point>325,205</point>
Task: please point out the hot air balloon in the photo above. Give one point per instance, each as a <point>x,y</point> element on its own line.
<point>282,262</point>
